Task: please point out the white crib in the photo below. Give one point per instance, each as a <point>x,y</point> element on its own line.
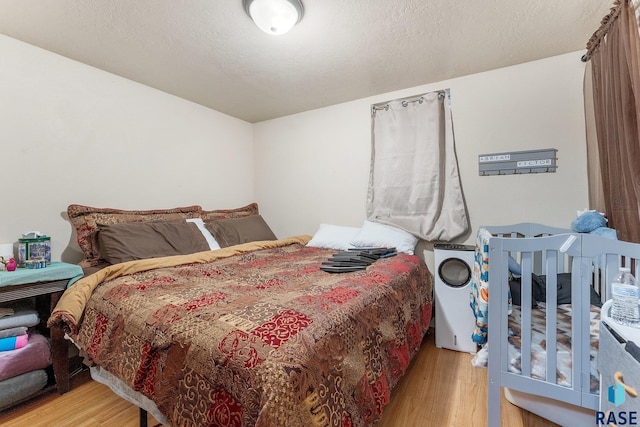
<point>593,263</point>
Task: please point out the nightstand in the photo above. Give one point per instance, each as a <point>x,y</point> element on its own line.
<point>45,286</point>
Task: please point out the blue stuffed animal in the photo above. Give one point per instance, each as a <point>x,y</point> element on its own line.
<point>590,221</point>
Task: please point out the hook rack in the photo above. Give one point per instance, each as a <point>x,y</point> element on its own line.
<point>518,162</point>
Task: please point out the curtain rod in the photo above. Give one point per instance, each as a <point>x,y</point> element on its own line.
<point>605,25</point>
<point>416,98</point>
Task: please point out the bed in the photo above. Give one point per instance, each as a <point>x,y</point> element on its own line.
<point>253,333</point>
<point>542,349</point>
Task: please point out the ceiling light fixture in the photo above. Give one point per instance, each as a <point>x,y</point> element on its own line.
<point>274,16</point>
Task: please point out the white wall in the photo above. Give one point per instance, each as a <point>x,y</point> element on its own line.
<point>313,167</point>
<point>70,133</point>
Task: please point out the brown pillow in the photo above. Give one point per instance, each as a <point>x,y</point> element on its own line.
<point>233,231</point>
<point>142,240</point>
<point>85,220</point>
<point>249,210</point>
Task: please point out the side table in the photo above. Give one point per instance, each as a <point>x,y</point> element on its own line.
<point>46,286</point>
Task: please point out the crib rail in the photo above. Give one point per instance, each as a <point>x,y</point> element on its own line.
<point>607,256</point>
<point>593,262</point>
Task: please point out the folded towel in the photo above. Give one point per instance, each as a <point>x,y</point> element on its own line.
<point>13,343</point>
<point>16,388</point>
<point>6,312</point>
<point>13,332</point>
<point>20,318</point>
<point>35,355</point>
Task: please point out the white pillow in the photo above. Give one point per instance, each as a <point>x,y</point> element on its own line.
<point>213,243</point>
<point>374,234</point>
<point>333,237</point>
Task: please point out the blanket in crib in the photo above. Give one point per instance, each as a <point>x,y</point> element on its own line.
<point>479,288</point>
<point>538,345</point>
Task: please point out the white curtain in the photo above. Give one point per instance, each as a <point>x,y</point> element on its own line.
<point>414,182</point>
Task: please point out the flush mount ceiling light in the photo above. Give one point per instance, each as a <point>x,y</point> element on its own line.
<point>274,16</point>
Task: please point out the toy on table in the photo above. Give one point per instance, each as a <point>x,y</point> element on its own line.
<point>9,265</point>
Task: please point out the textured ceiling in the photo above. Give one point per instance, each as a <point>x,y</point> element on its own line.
<point>210,52</point>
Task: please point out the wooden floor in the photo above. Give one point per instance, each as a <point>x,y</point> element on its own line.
<point>441,388</point>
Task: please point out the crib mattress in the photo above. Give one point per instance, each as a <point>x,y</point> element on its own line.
<point>539,348</point>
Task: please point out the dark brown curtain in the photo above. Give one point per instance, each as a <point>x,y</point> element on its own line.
<point>614,51</point>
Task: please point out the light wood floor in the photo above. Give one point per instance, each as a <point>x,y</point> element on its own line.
<point>441,388</point>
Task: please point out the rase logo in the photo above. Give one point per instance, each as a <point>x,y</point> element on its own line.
<point>619,418</point>
<point>616,393</point>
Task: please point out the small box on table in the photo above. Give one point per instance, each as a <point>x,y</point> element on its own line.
<point>34,252</point>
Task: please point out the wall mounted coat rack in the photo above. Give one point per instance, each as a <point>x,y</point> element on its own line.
<point>518,162</point>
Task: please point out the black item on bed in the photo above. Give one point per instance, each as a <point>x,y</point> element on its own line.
<point>539,290</point>
<point>355,259</point>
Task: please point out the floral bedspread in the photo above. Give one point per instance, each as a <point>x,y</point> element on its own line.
<point>261,337</point>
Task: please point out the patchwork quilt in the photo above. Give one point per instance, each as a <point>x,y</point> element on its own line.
<point>252,335</point>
